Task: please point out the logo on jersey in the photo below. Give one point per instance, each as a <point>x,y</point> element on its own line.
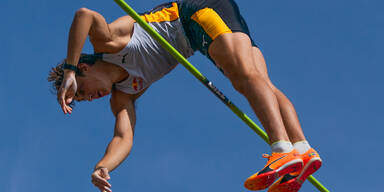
<point>123,60</point>
<point>137,83</point>
<point>204,43</point>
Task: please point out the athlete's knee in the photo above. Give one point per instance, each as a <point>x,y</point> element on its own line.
<point>271,85</point>
<point>242,83</point>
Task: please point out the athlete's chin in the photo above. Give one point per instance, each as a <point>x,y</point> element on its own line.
<point>103,93</point>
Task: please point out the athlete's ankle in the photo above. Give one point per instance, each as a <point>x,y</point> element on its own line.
<point>302,146</point>
<point>281,147</point>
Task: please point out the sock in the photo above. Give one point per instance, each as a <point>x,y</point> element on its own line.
<point>281,147</point>
<point>302,146</point>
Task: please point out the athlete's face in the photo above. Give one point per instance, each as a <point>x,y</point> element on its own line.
<point>91,85</point>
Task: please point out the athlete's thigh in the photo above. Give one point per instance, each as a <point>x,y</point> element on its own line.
<point>233,53</point>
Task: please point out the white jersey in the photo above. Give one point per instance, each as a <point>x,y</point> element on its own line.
<point>144,59</point>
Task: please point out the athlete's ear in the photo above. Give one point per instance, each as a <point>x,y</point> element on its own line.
<point>83,67</point>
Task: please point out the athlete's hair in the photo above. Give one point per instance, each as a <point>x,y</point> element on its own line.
<point>57,73</point>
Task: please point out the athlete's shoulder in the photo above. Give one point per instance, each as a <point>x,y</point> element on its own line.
<point>120,101</point>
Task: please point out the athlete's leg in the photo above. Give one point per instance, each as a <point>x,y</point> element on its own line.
<point>288,112</point>
<point>291,182</point>
<point>233,53</point>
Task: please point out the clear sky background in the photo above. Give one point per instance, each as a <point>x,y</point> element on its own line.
<point>327,56</point>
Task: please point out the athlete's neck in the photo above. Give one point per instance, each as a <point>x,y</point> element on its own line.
<point>110,71</point>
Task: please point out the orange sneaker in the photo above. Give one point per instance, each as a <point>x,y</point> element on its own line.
<point>278,165</point>
<point>292,182</point>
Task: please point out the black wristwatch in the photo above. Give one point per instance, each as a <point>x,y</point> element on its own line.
<point>71,67</point>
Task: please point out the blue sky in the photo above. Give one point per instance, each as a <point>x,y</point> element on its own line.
<point>325,55</point>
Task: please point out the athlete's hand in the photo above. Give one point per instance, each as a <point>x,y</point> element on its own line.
<point>67,91</point>
<point>99,179</point>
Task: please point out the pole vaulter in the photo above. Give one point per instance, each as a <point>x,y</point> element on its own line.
<point>204,80</point>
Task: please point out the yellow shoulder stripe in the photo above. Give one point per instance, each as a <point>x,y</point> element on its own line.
<point>166,14</point>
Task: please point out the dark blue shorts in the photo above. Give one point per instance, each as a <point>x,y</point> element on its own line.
<point>204,20</point>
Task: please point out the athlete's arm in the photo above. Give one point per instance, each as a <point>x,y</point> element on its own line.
<point>122,106</point>
<point>104,37</point>
<point>86,22</point>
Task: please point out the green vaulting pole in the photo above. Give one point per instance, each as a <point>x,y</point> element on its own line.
<point>203,79</point>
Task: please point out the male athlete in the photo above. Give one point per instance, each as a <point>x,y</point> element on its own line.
<point>127,61</point>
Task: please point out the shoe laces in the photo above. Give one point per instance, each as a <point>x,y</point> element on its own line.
<point>267,156</point>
